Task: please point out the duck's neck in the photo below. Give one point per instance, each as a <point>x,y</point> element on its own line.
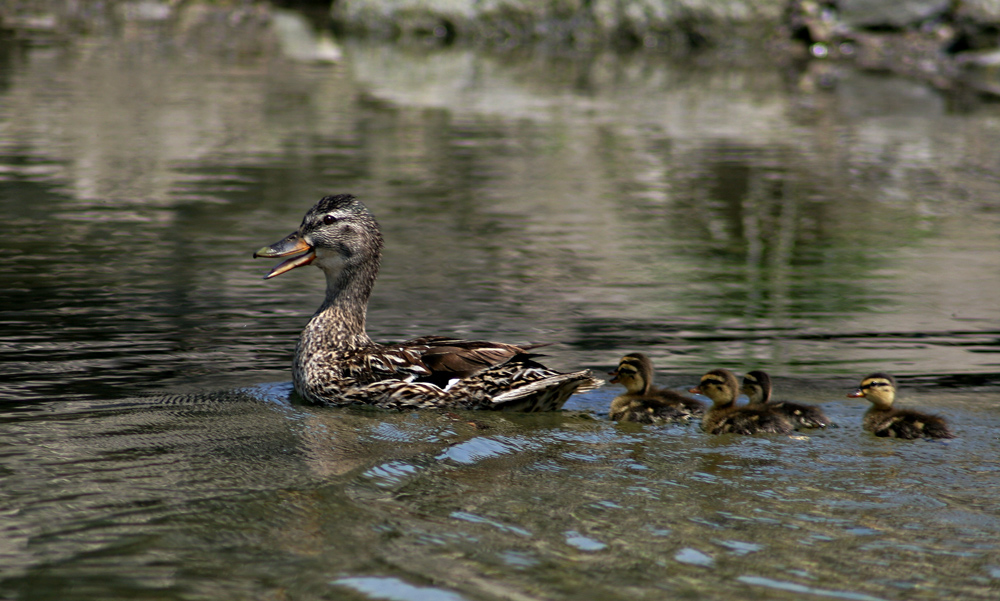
<point>881,403</point>
<point>647,385</point>
<point>728,402</point>
<point>638,387</point>
<point>763,397</point>
<point>339,323</point>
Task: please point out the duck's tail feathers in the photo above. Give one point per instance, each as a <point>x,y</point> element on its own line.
<point>522,384</point>
<point>548,394</point>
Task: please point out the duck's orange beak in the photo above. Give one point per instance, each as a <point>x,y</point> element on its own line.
<point>613,380</point>
<point>292,244</point>
<point>856,394</point>
<point>695,390</point>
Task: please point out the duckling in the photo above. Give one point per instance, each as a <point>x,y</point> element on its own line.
<point>336,363</point>
<point>724,416</point>
<point>642,402</point>
<point>882,420</point>
<point>757,387</point>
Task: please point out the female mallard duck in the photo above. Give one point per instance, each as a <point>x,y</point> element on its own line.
<point>724,416</point>
<point>757,387</point>
<point>336,363</point>
<point>882,420</point>
<point>644,403</point>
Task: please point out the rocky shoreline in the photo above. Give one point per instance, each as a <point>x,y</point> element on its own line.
<point>950,44</point>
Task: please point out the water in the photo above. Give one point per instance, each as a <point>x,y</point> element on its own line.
<point>715,214</point>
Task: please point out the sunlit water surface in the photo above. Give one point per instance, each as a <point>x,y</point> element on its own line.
<point>820,224</point>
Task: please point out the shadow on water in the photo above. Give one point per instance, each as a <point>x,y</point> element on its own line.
<point>707,215</point>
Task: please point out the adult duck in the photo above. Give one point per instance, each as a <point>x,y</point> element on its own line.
<point>644,403</point>
<point>336,363</point>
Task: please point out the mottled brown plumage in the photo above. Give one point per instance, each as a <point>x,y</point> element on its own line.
<point>644,403</point>
<point>724,417</point>
<point>336,363</point>
<point>883,420</point>
<point>757,387</point>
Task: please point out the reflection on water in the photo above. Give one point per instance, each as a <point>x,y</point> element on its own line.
<point>707,216</point>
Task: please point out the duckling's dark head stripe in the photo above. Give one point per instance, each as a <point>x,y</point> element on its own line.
<point>634,363</point>
<point>713,379</point>
<point>878,380</point>
<point>627,369</point>
<point>874,384</point>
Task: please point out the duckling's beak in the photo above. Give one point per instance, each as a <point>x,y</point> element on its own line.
<point>695,390</point>
<point>856,394</point>
<point>292,244</point>
<point>613,380</point>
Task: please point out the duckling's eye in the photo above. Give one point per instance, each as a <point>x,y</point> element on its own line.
<point>329,220</point>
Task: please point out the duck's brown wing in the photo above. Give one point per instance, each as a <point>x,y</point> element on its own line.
<point>521,384</point>
<point>449,358</point>
<point>751,420</point>
<point>651,411</point>
<point>806,416</point>
<point>396,378</point>
<point>683,403</point>
<point>906,423</point>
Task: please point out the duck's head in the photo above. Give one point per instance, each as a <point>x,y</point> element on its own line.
<point>337,233</point>
<point>634,372</point>
<point>879,388</point>
<point>720,385</point>
<point>757,386</point>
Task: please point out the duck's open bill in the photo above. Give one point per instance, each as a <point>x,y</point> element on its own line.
<point>291,244</point>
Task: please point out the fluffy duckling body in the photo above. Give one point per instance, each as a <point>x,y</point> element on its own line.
<point>644,403</point>
<point>336,363</point>
<point>724,417</point>
<point>757,387</point>
<point>883,420</point>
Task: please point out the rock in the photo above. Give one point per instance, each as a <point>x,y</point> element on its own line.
<point>980,11</point>
<point>300,42</point>
<point>145,10</point>
<point>896,14</point>
<point>572,22</point>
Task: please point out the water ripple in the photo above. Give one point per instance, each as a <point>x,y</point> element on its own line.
<point>393,589</point>
<point>469,517</point>
<point>799,588</point>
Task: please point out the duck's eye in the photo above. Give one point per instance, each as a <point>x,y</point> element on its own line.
<point>329,220</point>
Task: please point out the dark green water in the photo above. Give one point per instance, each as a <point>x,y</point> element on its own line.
<point>708,215</point>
